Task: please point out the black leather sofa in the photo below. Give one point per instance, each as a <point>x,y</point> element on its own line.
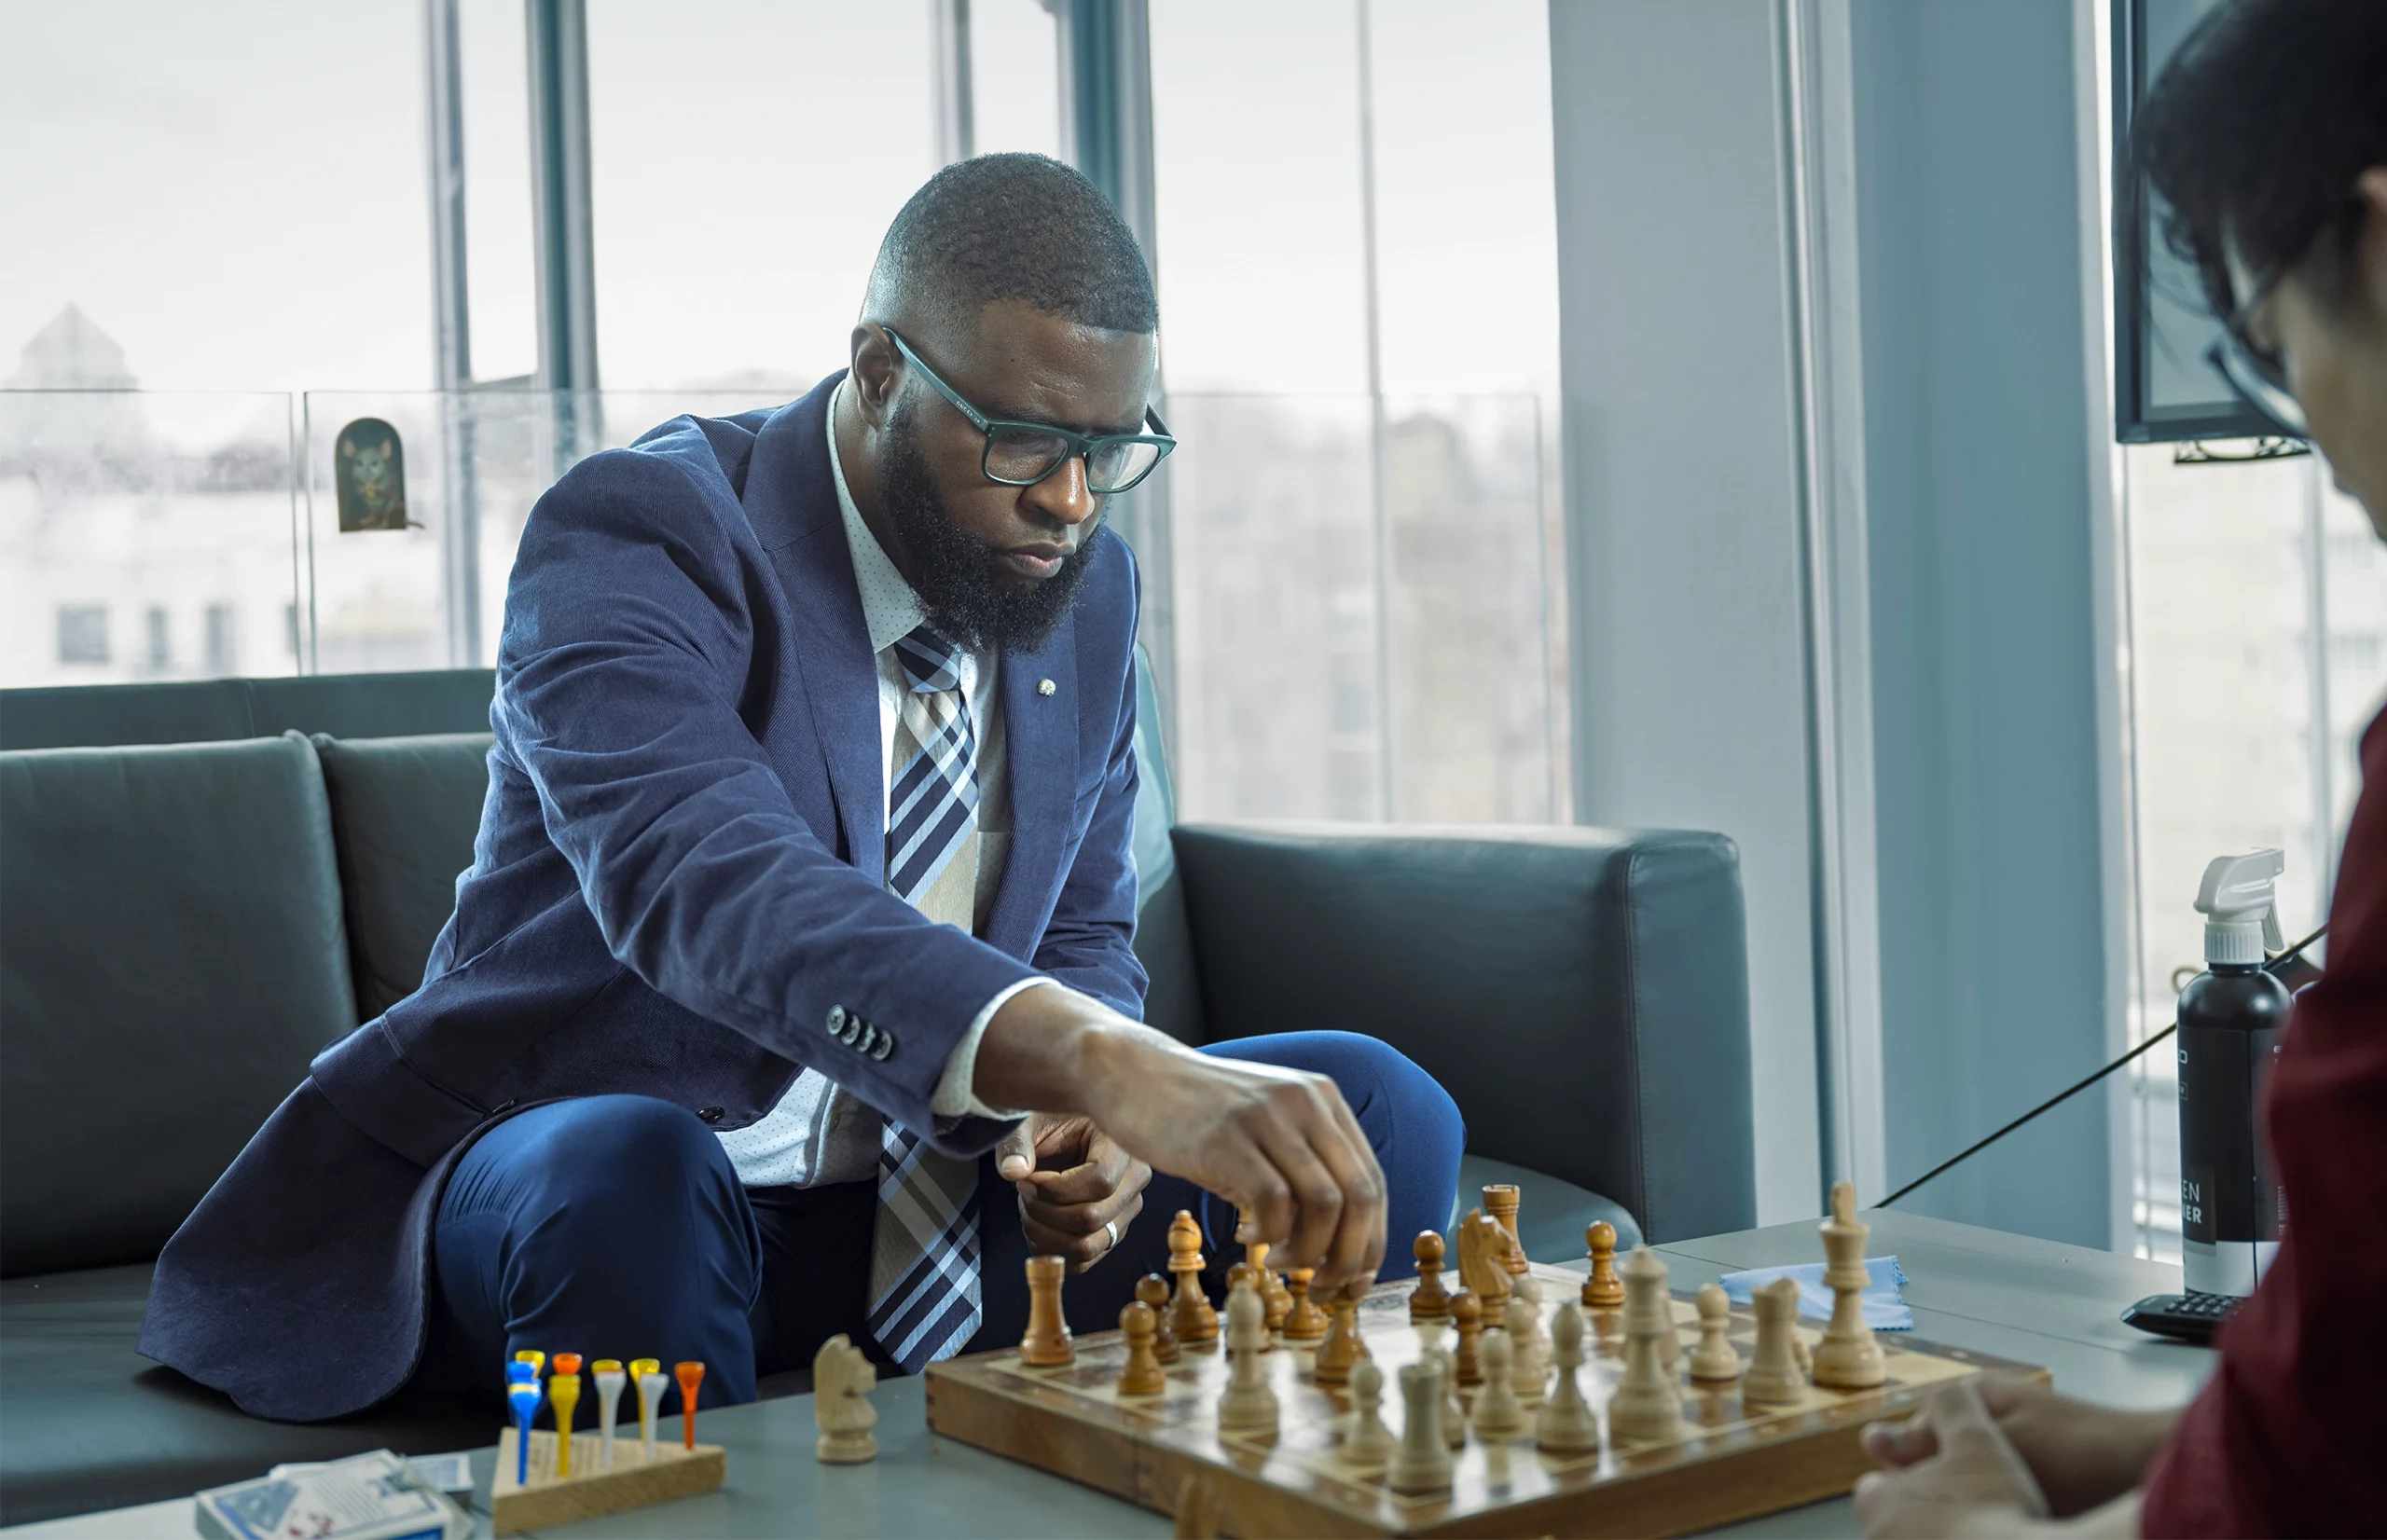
<point>201,885</point>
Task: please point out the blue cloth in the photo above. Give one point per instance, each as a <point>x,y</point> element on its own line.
<point>678,885</point>
<point>1884,1304</point>
<point>614,1227</point>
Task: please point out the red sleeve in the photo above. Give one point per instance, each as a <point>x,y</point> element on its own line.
<point>2286,1439</point>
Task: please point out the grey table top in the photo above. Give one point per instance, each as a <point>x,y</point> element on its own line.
<point>2009,1295</point>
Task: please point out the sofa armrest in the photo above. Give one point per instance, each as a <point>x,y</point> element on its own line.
<point>1582,993</point>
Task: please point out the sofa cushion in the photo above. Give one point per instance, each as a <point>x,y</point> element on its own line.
<point>78,716</point>
<point>404,812</point>
<point>1551,1215</point>
<point>174,959</point>
<point>89,1424</point>
<point>1163,943</point>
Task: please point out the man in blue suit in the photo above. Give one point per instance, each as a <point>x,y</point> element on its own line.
<point>790,991</point>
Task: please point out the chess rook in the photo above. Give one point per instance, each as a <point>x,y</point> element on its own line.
<point>1047,1344</point>
<point>1501,1202</point>
<point>1848,1357</point>
<point>1421,1465</point>
<point>1773,1378</point>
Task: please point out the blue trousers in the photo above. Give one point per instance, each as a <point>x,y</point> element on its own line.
<point>614,1227</point>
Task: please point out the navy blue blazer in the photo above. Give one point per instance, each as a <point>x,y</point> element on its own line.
<point>678,890</point>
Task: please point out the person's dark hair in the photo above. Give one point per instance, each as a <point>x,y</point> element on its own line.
<point>2256,130</point>
<point>1013,226</point>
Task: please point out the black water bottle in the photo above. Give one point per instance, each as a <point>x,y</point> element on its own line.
<point>2231,1019</point>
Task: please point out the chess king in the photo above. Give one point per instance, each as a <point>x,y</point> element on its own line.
<point>790,991</point>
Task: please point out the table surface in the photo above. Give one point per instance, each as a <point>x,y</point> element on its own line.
<point>2010,1295</point>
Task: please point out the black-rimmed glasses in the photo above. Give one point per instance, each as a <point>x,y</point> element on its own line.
<point>1021,454</point>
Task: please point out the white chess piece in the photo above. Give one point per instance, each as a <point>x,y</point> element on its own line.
<point>842,1381</point>
<point>1647,1404</point>
<point>1249,1405</point>
<point>1567,1423</point>
<point>1526,1335</point>
<point>1422,1464</point>
<point>1497,1415</point>
<point>1369,1444</point>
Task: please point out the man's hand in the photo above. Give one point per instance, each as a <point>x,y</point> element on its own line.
<point>1972,1484</point>
<point>1276,1141</point>
<point>2082,1455</point>
<point>1078,1189</point>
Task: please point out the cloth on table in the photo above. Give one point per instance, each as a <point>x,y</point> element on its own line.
<point>1885,1307</point>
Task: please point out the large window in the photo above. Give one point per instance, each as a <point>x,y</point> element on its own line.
<point>2258,653</point>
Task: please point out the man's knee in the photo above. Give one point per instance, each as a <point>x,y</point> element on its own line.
<point>633,1161</point>
<point>1386,1091</point>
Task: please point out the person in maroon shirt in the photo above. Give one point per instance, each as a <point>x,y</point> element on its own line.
<point>2267,138</point>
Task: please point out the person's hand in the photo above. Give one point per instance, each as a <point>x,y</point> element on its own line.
<point>1971,1484</point>
<point>1276,1143</point>
<point>2082,1455</point>
<point>1078,1189</point>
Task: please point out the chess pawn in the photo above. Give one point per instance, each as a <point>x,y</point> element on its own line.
<point>1249,1405</point>
<point>1773,1378</point>
<point>1277,1298</point>
<point>1191,1315</point>
<point>1532,1347</point>
<point>1305,1322</point>
<point>1848,1357</point>
<point>1430,1300</point>
<point>1567,1423</point>
<point>1647,1403</point>
<point>1714,1362</point>
<point>1142,1375</point>
<point>842,1381</point>
<point>1467,1315</point>
<point>1497,1415</point>
<point>1421,1465</point>
<point>1245,1272</point>
<point>1369,1444</point>
<point>1152,1289</point>
<point>1602,1289</point>
<point>1500,1203</point>
<point>1343,1347</point>
<point>1047,1344</point>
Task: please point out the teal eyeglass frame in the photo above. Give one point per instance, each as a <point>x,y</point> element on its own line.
<point>1078,445</point>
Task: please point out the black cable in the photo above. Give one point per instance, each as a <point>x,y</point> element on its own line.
<point>2270,965</point>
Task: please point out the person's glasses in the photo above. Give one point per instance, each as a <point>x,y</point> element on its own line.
<point>1021,454</point>
<point>2253,371</point>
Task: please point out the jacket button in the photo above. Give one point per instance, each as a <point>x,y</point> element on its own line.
<point>886,1045</point>
<point>854,1028</point>
<point>836,1020</point>
<point>869,1038</point>
<point>709,1114</point>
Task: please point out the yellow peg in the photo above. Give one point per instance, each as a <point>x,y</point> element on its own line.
<point>532,1357</point>
<point>646,1379</point>
<point>563,1393</point>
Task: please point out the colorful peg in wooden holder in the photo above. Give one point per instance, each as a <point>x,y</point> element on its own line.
<point>563,1393</point>
<point>690,1375</point>
<point>648,1374</point>
<point>610,1380</point>
<point>523,1392</point>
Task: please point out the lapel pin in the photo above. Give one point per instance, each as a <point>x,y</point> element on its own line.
<point>1044,687</point>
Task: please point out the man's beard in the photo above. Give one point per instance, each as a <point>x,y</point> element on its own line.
<point>953,572</point>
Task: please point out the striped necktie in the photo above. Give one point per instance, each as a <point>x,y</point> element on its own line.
<point>924,1297</point>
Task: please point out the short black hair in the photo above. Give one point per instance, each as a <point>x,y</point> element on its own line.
<point>2255,133</point>
<point>1013,226</point>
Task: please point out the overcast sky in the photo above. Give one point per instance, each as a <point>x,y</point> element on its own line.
<point>236,192</point>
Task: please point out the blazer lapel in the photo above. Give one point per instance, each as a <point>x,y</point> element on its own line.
<point>791,501</point>
<point>1040,737</point>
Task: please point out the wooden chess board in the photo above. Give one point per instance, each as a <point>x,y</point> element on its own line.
<point>1727,1460</point>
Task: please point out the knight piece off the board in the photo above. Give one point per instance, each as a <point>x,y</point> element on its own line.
<point>1584,1417</point>
<point>562,1476</point>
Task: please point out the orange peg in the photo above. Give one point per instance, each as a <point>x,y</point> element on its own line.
<point>567,1362</point>
<point>690,1375</point>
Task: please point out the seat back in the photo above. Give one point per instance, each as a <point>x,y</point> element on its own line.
<point>174,959</point>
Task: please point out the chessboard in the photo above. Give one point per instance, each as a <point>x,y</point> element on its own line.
<point>1725,1462</point>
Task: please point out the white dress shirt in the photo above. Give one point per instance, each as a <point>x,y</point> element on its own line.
<point>819,1133</point>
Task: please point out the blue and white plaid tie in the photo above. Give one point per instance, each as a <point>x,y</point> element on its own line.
<point>924,1295</point>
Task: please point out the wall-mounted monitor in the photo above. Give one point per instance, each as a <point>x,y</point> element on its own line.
<point>2164,389</point>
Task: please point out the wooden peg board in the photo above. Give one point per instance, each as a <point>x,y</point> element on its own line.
<point>592,1490</point>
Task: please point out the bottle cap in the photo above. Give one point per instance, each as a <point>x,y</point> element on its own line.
<point>2239,900</point>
